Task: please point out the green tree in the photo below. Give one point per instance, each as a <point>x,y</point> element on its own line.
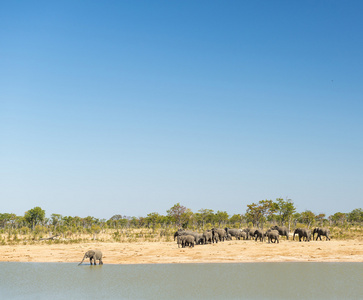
<point>221,217</point>
<point>236,218</point>
<point>177,213</point>
<point>153,218</point>
<point>308,217</point>
<point>296,217</point>
<point>320,219</point>
<point>285,210</point>
<point>34,216</point>
<point>204,216</point>
<point>356,215</point>
<point>339,218</point>
<point>56,220</point>
<point>7,219</point>
<point>258,212</point>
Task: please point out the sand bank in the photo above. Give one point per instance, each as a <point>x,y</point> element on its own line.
<point>168,252</point>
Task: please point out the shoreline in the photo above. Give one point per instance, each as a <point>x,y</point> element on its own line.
<point>234,251</point>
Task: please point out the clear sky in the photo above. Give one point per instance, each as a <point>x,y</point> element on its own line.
<point>128,107</point>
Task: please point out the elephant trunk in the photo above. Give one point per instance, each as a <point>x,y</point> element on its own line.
<point>83,259</point>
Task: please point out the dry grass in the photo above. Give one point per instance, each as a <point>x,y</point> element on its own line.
<point>135,236</point>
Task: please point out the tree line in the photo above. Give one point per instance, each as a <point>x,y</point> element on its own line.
<point>260,214</point>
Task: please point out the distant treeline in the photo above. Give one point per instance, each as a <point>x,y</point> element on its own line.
<point>263,213</point>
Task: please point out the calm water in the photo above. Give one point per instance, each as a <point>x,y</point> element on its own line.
<point>182,281</point>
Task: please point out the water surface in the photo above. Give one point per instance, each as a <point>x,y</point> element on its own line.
<point>182,281</point>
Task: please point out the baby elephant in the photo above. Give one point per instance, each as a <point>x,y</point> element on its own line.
<point>272,236</point>
<point>186,240</point>
<point>93,254</point>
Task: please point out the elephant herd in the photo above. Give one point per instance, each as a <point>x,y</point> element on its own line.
<point>215,235</point>
<point>190,238</point>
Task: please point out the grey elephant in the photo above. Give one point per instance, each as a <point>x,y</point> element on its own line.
<point>199,239</point>
<point>259,234</point>
<point>282,230</point>
<point>303,233</point>
<point>93,255</point>
<point>181,232</point>
<point>250,233</point>
<point>181,240</point>
<point>272,236</point>
<point>219,234</point>
<point>234,232</point>
<point>244,235</point>
<point>321,232</point>
<point>187,240</point>
<point>208,237</point>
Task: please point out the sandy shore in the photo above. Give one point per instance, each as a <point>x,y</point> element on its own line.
<point>168,252</point>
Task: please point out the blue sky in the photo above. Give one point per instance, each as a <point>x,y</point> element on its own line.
<point>128,107</point>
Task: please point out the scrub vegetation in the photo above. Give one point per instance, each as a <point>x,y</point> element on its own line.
<point>35,227</point>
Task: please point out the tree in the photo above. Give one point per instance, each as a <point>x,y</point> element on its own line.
<point>236,218</point>
<point>116,217</point>
<point>296,217</point>
<point>308,217</point>
<point>338,218</point>
<point>204,216</point>
<point>320,218</point>
<point>153,218</point>
<point>221,217</point>
<point>56,220</point>
<point>285,210</point>
<point>257,213</point>
<point>34,216</point>
<point>356,215</point>
<point>177,213</point>
<point>6,219</point>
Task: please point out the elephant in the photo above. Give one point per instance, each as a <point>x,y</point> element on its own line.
<point>282,230</point>
<point>199,239</point>
<point>179,239</point>
<point>272,236</point>
<point>93,255</point>
<point>208,237</point>
<point>234,232</point>
<point>187,240</point>
<point>178,233</point>
<point>303,233</point>
<point>250,232</point>
<point>244,235</point>
<point>259,234</point>
<point>219,234</point>
<point>321,232</point>
<point>182,240</point>
<point>186,232</point>
<point>246,231</point>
